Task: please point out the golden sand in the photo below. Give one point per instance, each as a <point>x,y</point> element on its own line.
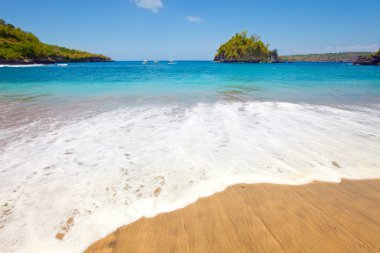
<point>318,217</point>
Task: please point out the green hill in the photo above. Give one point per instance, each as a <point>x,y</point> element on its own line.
<point>20,47</point>
<point>241,48</point>
<point>330,57</point>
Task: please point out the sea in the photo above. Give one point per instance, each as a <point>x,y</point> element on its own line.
<point>88,147</point>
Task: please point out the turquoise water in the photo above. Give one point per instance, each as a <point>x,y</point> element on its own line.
<point>94,141</point>
<point>323,83</point>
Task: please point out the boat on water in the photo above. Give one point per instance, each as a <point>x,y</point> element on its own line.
<point>145,62</point>
<point>172,62</point>
<point>62,64</point>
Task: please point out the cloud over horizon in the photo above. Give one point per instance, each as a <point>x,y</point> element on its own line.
<point>194,19</point>
<point>352,48</point>
<point>153,5</point>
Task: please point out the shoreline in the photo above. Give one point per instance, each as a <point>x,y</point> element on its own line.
<point>49,63</point>
<point>315,217</point>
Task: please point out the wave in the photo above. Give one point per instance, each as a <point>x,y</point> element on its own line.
<point>111,169</point>
<point>21,66</point>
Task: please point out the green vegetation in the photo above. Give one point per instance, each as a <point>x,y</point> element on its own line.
<point>330,57</point>
<point>241,48</point>
<point>18,46</point>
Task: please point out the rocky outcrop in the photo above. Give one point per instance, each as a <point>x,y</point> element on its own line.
<point>373,59</point>
<point>223,59</point>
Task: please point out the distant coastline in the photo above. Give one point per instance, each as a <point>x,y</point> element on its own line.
<point>23,48</point>
<point>358,58</point>
<point>348,57</point>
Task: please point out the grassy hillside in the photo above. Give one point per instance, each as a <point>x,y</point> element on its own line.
<point>331,57</point>
<point>18,46</point>
<point>241,48</point>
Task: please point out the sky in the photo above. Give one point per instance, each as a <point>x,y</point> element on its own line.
<point>194,29</point>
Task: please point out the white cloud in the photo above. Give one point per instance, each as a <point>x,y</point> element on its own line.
<point>352,48</point>
<point>152,5</point>
<point>194,19</point>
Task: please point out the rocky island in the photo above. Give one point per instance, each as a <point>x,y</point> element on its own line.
<point>372,59</point>
<point>241,48</point>
<point>20,47</point>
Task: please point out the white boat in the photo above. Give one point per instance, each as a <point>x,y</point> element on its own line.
<point>145,62</point>
<point>172,62</point>
<point>62,64</point>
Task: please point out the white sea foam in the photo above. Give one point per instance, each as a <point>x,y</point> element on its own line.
<point>103,171</point>
<point>20,65</point>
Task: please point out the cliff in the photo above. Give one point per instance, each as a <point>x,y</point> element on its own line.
<point>20,47</point>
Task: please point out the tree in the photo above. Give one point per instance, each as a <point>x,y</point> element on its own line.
<point>241,48</point>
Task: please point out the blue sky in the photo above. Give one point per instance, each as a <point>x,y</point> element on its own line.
<point>193,29</point>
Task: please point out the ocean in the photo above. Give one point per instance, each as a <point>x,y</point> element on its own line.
<point>104,144</point>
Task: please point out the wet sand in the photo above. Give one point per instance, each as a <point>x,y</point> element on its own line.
<point>318,217</point>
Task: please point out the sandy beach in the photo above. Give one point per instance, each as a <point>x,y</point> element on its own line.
<point>317,217</point>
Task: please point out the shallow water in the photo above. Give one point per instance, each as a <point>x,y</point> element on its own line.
<point>107,143</point>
